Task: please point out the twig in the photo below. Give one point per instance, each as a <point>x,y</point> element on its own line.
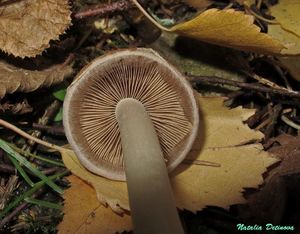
<point>13,213</point>
<point>5,168</point>
<point>29,137</point>
<point>273,121</point>
<point>104,9</point>
<point>290,122</point>
<point>249,86</point>
<point>54,130</point>
<point>138,5</point>
<point>254,119</point>
<point>49,114</point>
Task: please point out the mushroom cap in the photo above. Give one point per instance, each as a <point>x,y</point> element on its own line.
<point>89,109</point>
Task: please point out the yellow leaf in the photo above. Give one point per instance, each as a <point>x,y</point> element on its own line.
<point>287,14</point>
<point>288,30</point>
<point>84,214</point>
<point>112,193</point>
<point>224,140</point>
<point>290,40</point>
<point>27,26</point>
<point>292,65</point>
<point>229,28</point>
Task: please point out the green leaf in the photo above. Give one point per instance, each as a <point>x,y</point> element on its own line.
<point>29,193</point>
<point>21,171</point>
<point>26,154</point>
<point>27,164</point>
<point>60,94</point>
<point>44,203</point>
<point>58,117</point>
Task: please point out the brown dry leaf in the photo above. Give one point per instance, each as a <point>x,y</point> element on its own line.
<point>84,214</point>
<point>229,28</point>
<point>195,186</point>
<point>13,79</point>
<point>18,108</point>
<point>199,4</point>
<point>269,203</point>
<point>288,31</point>
<point>27,26</point>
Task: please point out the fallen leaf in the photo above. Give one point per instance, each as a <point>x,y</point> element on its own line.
<point>290,41</point>
<point>199,4</point>
<point>84,214</point>
<point>269,203</point>
<point>27,26</point>
<point>112,193</point>
<point>19,108</point>
<point>197,58</point>
<point>287,14</point>
<point>289,152</point>
<point>13,79</point>
<point>229,28</point>
<point>287,31</point>
<point>225,142</point>
<point>292,65</point>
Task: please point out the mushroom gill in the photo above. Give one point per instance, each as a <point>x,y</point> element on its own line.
<point>150,81</point>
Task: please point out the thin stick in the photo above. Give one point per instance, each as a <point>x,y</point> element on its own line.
<point>103,9</point>
<point>290,122</point>
<point>138,5</point>
<point>7,218</point>
<point>249,86</point>
<point>29,137</point>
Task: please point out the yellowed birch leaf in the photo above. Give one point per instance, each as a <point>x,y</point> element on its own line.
<point>224,141</point>
<point>290,40</point>
<point>287,14</point>
<point>27,26</point>
<point>13,79</point>
<point>229,28</point>
<point>292,64</point>
<point>84,214</point>
<point>288,30</point>
<point>112,193</point>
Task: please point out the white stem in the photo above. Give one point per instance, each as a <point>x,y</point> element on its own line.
<point>151,201</point>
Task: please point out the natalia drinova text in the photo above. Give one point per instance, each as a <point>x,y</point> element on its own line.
<point>266,227</point>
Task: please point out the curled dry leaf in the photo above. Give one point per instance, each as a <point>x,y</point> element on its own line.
<point>229,28</point>
<point>83,213</point>
<point>27,26</point>
<point>224,141</point>
<point>14,79</point>
<point>287,31</point>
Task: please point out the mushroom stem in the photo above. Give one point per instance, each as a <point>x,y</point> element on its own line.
<point>151,201</point>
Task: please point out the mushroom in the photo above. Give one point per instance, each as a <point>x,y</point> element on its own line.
<point>132,116</point>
